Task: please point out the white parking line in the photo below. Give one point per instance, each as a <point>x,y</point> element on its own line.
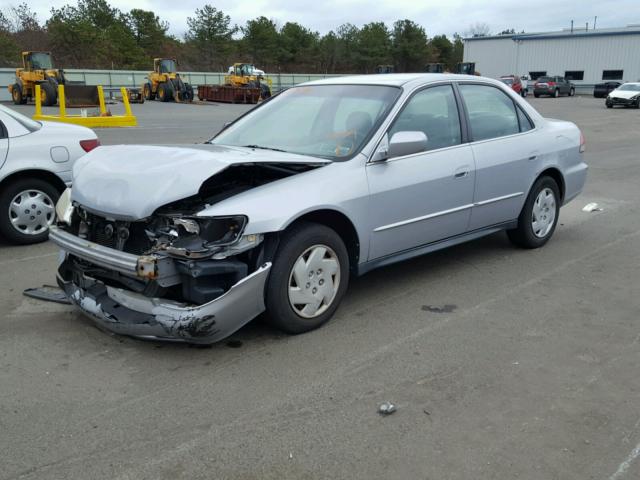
<point>624,466</point>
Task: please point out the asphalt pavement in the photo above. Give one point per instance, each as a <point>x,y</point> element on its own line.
<point>502,363</point>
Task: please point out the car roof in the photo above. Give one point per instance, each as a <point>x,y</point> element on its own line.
<point>393,79</point>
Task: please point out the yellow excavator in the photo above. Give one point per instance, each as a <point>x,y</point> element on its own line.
<point>37,69</point>
<point>165,84</point>
<point>246,75</point>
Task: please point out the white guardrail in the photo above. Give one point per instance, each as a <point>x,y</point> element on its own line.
<point>112,80</point>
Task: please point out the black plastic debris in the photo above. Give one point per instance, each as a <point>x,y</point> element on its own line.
<point>48,293</point>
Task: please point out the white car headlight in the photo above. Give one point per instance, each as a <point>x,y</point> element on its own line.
<point>64,207</point>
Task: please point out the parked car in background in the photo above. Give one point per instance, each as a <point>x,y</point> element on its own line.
<point>327,179</point>
<point>627,95</point>
<point>36,159</point>
<point>601,90</point>
<point>515,83</point>
<point>553,87</point>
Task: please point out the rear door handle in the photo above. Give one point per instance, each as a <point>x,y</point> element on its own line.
<point>462,172</point>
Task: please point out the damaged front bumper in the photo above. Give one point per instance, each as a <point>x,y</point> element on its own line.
<point>125,312</point>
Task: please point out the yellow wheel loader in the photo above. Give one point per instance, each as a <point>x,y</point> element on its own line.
<point>245,75</point>
<point>165,84</point>
<point>37,69</point>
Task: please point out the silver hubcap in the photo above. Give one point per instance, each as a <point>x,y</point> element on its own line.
<point>31,212</point>
<point>314,281</point>
<point>544,213</point>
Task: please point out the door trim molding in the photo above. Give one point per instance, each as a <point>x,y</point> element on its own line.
<point>447,212</point>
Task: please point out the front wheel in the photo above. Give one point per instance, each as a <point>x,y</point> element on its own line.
<point>16,94</point>
<point>539,216</point>
<point>556,93</point>
<point>27,209</point>
<point>572,92</point>
<point>308,278</point>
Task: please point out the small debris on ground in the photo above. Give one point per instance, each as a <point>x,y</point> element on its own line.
<point>591,207</point>
<point>426,412</point>
<point>436,309</point>
<point>48,293</point>
<point>387,408</point>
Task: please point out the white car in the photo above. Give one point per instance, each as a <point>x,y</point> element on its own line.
<point>626,95</point>
<point>36,159</point>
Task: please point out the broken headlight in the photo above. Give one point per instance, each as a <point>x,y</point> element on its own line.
<point>64,207</point>
<point>221,231</point>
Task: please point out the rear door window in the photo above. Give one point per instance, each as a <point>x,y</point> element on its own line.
<point>492,113</point>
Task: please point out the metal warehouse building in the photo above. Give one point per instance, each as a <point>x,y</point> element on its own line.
<point>584,56</point>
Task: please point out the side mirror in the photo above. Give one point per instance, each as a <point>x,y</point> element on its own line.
<point>406,143</point>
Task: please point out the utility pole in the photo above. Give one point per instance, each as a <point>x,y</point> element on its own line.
<point>595,19</point>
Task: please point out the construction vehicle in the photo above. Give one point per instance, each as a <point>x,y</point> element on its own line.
<point>165,84</point>
<point>245,75</point>
<point>434,68</point>
<point>37,69</point>
<point>466,68</point>
<point>385,69</point>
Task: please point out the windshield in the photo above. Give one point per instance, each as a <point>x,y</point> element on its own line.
<point>545,79</point>
<point>508,81</point>
<point>167,66</point>
<point>26,122</point>
<point>635,87</point>
<point>328,121</point>
<point>41,61</point>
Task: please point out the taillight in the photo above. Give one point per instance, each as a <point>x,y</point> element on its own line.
<point>88,145</point>
<point>551,84</point>
<point>583,143</point>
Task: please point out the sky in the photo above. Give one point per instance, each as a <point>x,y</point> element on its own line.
<point>437,17</point>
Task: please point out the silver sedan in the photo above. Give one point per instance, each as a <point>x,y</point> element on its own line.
<point>326,180</point>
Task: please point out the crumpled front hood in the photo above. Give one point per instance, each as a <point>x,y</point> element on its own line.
<point>627,94</point>
<point>131,181</point>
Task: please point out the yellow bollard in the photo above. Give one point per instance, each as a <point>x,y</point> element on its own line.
<point>125,100</point>
<point>38,101</point>
<point>103,109</point>
<point>61,101</point>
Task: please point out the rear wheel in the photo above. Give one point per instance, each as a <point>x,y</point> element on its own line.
<point>572,92</point>
<point>537,95</point>
<point>539,216</point>
<point>27,209</point>
<point>308,278</point>
<point>556,93</point>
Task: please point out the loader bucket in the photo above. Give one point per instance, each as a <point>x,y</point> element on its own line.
<point>81,96</point>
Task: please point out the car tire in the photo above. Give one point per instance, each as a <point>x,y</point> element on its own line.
<point>306,245</point>
<point>572,92</point>
<point>36,228</point>
<point>537,95</point>
<point>609,105</point>
<point>556,93</point>
<point>524,93</point>
<point>535,227</point>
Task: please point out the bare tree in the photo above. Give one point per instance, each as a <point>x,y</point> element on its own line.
<point>478,29</point>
